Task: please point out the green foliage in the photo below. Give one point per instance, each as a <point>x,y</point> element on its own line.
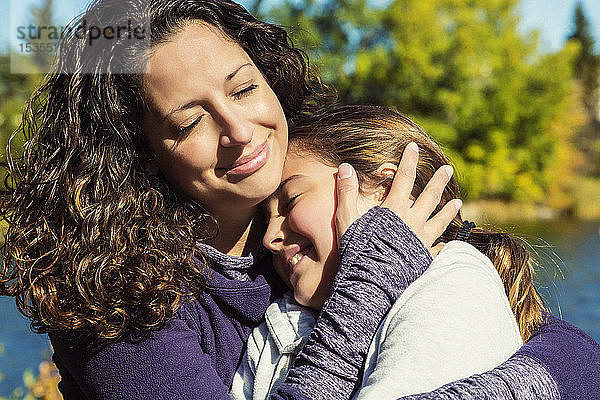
<point>15,89</point>
<point>587,193</point>
<point>587,63</point>
<point>464,72</point>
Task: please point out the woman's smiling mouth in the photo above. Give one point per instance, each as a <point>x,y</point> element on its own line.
<point>250,163</point>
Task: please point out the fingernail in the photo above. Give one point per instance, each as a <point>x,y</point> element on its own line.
<point>413,146</point>
<point>344,171</point>
<point>458,204</point>
<point>449,170</point>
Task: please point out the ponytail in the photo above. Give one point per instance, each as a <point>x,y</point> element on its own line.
<point>515,265</point>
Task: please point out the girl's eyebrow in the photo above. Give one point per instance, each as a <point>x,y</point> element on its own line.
<point>287,180</point>
<point>277,192</point>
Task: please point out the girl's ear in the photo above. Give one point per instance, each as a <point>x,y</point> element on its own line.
<point>386,171</point>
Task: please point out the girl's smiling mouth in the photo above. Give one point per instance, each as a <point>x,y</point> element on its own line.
<point>296,258</point>
<point>294,254</point>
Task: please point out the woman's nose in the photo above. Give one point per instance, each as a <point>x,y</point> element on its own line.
<point>273,239</point>
<point>237,129</point>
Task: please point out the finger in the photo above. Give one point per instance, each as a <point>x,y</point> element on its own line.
<point>398,198</point>
<point>428,200</point>
<point>346,199</point>
<point>437,225</point>
<point>435,250</point>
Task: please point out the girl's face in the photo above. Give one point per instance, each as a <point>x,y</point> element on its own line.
<point>217,128</point>
<point>301,230</point>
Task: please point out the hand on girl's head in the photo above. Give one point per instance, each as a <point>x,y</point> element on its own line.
<point>416,214</point>
<point>303,223</point>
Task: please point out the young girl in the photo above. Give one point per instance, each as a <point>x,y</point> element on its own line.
<point>452,322</point>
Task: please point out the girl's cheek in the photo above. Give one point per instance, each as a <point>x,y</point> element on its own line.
<point>305,217</point>
<point>297,221</point>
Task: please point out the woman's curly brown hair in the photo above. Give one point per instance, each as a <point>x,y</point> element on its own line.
<point>96,242</point>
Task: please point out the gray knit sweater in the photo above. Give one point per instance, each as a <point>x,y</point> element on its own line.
<point>380,257</point>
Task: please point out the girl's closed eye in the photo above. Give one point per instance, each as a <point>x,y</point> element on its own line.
<point>290,203</point>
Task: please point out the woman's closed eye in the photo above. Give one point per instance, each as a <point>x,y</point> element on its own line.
<point>186,129</point>
<point>244,92</point>
<point>237,96</point>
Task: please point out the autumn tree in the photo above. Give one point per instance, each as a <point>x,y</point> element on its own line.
<point>504,111</point>
<point>587,70</point>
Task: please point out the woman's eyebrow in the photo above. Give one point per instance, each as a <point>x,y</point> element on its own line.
<point>232,75</point>
<point>191,104</point>
<point>195,103</point>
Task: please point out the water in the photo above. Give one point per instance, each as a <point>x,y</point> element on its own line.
<point>576,298</point>
<point>576,245</point>
<point>22,348</point>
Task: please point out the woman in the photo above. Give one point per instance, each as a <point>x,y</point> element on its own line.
<point>124,173</point>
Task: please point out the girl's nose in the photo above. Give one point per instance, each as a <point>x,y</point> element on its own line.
<point>273,239</point>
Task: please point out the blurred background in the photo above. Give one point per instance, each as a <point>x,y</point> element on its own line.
<point>510,89</point>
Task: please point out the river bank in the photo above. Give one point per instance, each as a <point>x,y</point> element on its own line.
<point>585,206</point>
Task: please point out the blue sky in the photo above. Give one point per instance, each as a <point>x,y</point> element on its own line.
<point>551,17</point>
<point>554,19</point>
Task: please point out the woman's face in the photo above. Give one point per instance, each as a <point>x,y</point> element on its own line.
<point>217,128</point>
<point>301,231</point>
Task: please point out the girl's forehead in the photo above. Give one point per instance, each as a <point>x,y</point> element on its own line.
<point>305,164</point>
<point>296,160</point>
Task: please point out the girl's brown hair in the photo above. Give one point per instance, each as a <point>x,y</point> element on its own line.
<point>96,241</point>
<point>368,136</point>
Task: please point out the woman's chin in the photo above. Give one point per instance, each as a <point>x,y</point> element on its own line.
<point>261,184</point>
